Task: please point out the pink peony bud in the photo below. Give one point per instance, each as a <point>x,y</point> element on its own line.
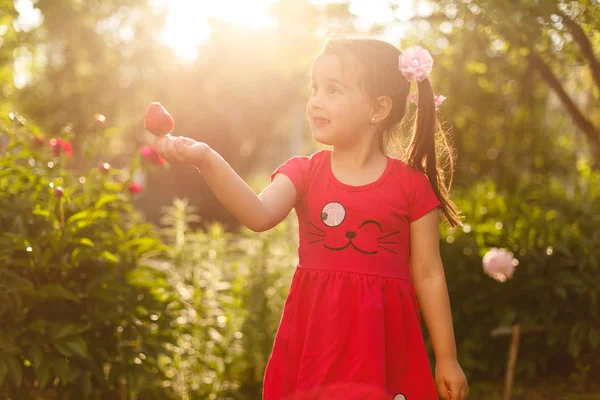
<point>499,264</point>
<point>59,191</point>
<point>104,168</point>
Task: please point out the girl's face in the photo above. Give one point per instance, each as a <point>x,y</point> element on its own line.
<point>338,109</point>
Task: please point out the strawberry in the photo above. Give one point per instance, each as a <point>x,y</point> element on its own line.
<point>158,120</point>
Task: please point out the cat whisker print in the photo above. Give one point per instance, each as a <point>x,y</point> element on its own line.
<point>333,215</point>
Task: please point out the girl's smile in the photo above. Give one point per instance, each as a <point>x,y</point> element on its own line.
<point>319,122</point>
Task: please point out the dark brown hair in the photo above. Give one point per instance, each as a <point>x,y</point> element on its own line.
<point>427,148</point>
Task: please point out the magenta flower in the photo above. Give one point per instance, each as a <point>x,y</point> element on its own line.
<point>134,187</point>
<point>499,264</point>
<point>150,154</point>
<point>415,63</point>
<point>58,146</point>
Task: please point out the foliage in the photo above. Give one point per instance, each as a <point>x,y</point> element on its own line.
<point>231,291</point>
<point>81,313</point>
<point>552,230</point>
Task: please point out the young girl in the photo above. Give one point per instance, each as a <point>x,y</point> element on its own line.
<point>369,259</point>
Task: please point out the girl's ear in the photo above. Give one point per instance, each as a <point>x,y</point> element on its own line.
<point>382,106</point>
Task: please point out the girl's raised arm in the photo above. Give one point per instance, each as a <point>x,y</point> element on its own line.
<point>257,212</point>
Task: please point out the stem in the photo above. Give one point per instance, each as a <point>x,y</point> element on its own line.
<point>512,361</point>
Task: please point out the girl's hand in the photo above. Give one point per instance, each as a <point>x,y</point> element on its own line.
<point>181,150</point>
<point>451,380</point>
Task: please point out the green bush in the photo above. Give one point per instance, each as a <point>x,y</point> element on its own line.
<point>552,229</point>
<point>232,289</point>
<point>94,304</point>
<point>81,313</point>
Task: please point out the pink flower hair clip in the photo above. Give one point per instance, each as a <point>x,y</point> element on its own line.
<point>437,99</point>
<point>415,63</point>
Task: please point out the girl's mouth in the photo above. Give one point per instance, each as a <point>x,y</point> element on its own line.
<point>320,122</point>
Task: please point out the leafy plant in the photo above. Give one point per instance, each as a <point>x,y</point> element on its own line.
<point>81,313</point>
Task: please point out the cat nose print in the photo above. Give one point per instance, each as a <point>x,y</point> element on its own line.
<point>350,235</point>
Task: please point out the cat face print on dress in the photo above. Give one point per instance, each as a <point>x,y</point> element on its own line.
<point>400,396</point>
<point>337,234</point>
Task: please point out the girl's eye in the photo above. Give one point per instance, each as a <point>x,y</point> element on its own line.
<point>333,90</point>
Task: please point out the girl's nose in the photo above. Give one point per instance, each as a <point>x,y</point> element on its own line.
<point>314,103</point>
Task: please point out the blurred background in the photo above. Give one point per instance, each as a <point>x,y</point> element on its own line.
<point>132,281</point>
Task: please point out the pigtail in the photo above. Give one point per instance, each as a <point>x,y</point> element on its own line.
<point>425,154</point>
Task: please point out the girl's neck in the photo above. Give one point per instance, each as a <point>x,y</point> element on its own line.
<point>356,159</point>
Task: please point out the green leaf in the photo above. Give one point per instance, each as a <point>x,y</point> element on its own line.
<point>3,372</point>
<point>73,347</point>
<point>7,346</point>
<point>44,372</point>
<point>85,382</point>
<point>41,213</point>
<point>85,242</point>
<point>61,369</point>
<point>62,331</point>
<point>107,255</point>
<point>57,292</point>
<point>36,356</point>
<point>561,292</point>
<point>107,198</point>
<point>86,217</point>
<point>39,325</point>
<point>594,337</point>
<point>11,282</point>
<point>15,373</point>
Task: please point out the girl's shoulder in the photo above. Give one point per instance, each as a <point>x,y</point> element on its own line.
<point>405,172</point>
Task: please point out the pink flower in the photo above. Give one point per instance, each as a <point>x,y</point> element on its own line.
<point>150,154</point>
<point>438,100</point>
<point>58,146</point>
<point>134,187</point>
<point>415,63</point>
<point>499,264</point>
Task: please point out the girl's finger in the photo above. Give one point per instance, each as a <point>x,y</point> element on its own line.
<point>455,391</point>
<point>180,144</point>
<point>172,152</point>
<point>444,391</point>
<point>160,145</point>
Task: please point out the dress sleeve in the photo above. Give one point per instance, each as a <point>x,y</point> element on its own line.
<point>295,169</point>
<point>422,197</point>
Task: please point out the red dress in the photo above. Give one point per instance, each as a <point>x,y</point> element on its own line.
<point>350,327</point>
